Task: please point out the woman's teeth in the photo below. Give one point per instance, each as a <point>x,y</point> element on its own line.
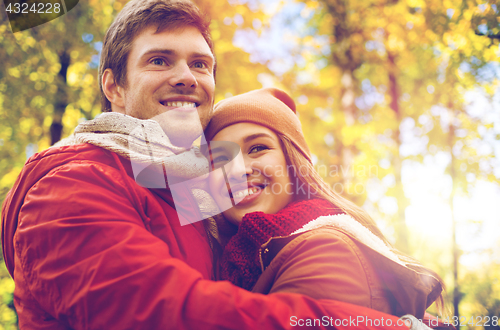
<point>246,192</point>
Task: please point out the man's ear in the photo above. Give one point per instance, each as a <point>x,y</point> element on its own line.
<point>114,93</point>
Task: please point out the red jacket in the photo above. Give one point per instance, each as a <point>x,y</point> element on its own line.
<point>89,248</point>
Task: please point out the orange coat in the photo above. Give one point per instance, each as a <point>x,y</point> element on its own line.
<point>334,262</point>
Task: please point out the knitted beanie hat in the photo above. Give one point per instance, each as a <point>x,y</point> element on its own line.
<point>269,107</point>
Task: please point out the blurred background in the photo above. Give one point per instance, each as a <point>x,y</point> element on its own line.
<point>399,101</point>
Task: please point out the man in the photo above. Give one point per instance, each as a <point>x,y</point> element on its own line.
<point>90,248</point>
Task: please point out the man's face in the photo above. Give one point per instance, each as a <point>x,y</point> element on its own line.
<point>170,80</point>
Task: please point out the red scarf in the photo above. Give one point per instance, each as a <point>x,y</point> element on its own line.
<point>240,262</point>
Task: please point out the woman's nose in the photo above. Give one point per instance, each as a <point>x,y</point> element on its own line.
<point>240,168</point>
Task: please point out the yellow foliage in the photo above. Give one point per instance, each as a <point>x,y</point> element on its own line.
<point>88,80</point>
<point>71,117</point>
<point>34,76</point>
<point>395,44</point>
<point>416,3</point>
<point>6,133</point>
<point>117,6</point>
<point>8,317</point>
<point>39,85</point>
<point>216,34</point>
<point>431,35</point>
<point>14,72</point>
<point>38,101</point>
<point>30,42</point>
<point>47,121</point>
<point>25,124</point>
<point>37,131</point>
<point>412,36</point>
<point>47,77</point>
<point>107,10</point>
<point>8,180</point>
<point>72,78</point>
<point>75,73</point>
<point>357,38</point>
<point>312,4</point>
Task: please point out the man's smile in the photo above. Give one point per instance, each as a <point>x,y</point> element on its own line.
<point>179,104</point>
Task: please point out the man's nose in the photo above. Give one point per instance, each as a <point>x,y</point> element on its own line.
<point>182,76</point>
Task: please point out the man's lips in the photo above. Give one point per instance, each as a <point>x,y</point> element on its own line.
<point>180,104</point>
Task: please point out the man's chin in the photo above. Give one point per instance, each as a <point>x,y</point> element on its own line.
<point>181,128</point>
<point>183,138</point>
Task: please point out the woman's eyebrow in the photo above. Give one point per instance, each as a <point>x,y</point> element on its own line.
<point>255,136</point>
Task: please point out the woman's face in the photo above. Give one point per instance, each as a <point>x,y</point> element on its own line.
<point>256,179</point>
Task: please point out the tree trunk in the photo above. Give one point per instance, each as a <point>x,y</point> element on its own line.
<point>61,101</point>
<point>457,296</point>
<point>348,109</point>
<point>400,222</point>
<point>343,58</point>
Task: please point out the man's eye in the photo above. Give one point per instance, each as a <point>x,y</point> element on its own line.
<point>200,65</point>
<point>220,159</point>
<point>158,61</point>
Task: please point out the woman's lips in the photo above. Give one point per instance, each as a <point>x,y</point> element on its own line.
<point>246,196</point>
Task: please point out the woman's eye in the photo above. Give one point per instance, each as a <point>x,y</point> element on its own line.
<point>158,61</point>
<point>258,148</point>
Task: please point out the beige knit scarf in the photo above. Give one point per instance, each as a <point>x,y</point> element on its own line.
<point>145,144</point>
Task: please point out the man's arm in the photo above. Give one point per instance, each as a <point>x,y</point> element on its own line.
<point>89,261</point>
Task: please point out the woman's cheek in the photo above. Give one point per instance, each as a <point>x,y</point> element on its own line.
<point>217,186</point>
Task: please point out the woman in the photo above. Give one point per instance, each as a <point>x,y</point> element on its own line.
<point>295,233</point>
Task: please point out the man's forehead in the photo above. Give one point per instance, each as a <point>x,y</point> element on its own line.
<point>153,30</point>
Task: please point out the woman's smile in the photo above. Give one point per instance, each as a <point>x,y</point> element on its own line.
<point>256,178</point>
<point>246,195</point>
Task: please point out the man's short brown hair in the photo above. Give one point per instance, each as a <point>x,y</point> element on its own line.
<point>134,18</point>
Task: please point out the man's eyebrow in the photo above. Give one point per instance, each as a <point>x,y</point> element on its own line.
<point>256,136</point>
<point>158,50</point>
<point>217,149</point>
<point>172,52</point>
<point>198,55</point>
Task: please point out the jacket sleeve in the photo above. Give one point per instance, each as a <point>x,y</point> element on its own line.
<point>89,262</point>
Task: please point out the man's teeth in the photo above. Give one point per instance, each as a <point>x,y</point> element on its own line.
<point>246,192</point>
<point>180,104</point>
